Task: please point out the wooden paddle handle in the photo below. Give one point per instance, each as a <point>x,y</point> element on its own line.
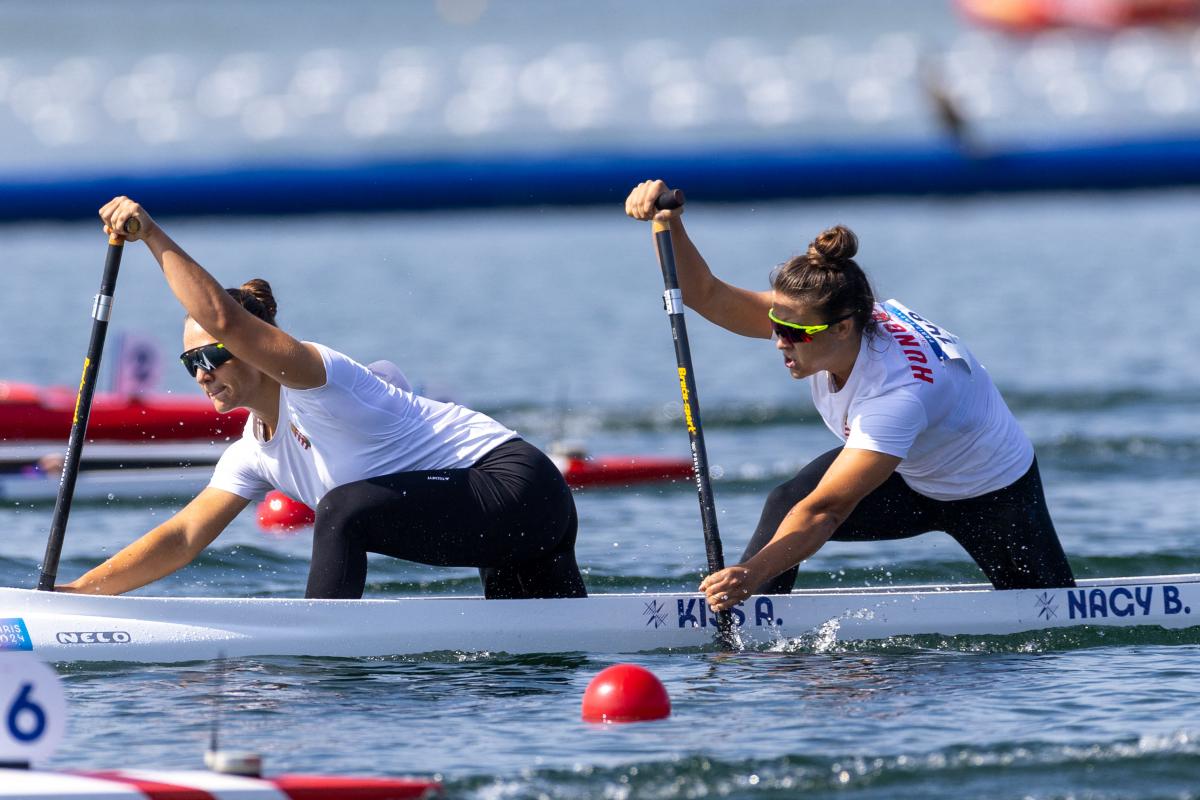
<point>669,200</point>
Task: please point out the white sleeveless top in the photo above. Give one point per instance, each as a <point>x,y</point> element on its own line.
<point>356,426</point>
<point>917,393</point>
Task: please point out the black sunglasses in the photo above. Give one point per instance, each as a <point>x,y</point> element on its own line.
<point>206,357</point>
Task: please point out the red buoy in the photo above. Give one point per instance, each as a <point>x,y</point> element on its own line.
<point>625,693</point>
<point>281,514</point>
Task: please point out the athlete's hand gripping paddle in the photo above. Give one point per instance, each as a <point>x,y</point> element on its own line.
<point>101,309</point>
<point>673,303</point>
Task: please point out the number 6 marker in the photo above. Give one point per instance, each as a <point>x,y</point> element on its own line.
<point>33,710</point>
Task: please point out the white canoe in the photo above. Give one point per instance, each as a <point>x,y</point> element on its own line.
<point>64,627</point>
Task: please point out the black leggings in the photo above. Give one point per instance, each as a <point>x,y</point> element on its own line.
<point>1008,532</point>
<point>511,515</point>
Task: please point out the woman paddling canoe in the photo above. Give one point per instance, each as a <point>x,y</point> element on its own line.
<point>929,444</point>
<point>388,471</point>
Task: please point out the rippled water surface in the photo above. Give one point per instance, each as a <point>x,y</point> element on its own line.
<point>1080,306</point>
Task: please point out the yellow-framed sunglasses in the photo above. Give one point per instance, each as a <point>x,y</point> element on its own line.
<point>794,333</point>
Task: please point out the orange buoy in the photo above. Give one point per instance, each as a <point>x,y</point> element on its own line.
<point>625,693</point>
<point>281,514</point>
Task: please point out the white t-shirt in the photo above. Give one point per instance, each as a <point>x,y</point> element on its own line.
<point>356,426</point>
<point>917,393</point>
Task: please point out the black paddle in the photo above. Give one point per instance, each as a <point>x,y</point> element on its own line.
<point>673,303</point>
<point>101,310</point>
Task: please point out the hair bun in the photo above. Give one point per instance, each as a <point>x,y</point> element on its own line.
<point>261,291</point>
<point>835,244</point>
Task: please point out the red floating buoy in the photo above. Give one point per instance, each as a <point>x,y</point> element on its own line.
<point>281,514</point>
<point>625,693</point>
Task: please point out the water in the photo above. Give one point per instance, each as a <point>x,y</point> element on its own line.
<point>279,79</point>
<point>1080,306</point>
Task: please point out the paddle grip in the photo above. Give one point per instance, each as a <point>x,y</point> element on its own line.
<point>669,200</point>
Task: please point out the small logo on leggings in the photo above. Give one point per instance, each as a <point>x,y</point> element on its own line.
<point>437,477</point>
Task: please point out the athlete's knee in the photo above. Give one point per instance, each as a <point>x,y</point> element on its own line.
<point>779,502</point>
<point>335,501</point>
<point>792,491</point>
<point>339,514</point>
<point>781,499</point>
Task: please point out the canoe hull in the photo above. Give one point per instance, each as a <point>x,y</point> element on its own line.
<point>66,628</point>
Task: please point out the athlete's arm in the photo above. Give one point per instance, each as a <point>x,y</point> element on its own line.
<point>166,548</point>
<point>739,310</point>
<point>852,476</point>
<point>271,350</point>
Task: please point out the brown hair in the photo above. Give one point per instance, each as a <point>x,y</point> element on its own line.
<point>256,297</point>
<point>828,279</point>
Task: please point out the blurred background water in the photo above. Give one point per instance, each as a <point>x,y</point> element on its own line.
<point>1080,306</point>
<point>130,84</point>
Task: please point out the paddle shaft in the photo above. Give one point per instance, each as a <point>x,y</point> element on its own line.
<point>101,309</point>
<point>673,303</point>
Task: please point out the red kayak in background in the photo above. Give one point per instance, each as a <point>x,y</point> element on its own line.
<point>31,413</point>
<point>581,471</point>
<point>1031,16</point>
<point>160,434</point>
